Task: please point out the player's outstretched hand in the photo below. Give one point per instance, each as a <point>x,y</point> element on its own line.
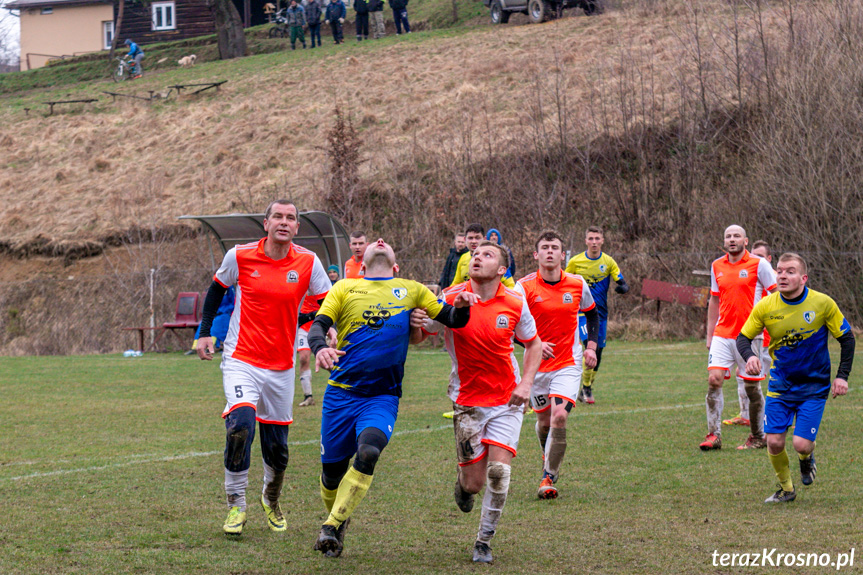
<point>589,358</point>
<point>548,350</point>
<point>521,393</point>
<point>839,387</point>
<point>418,317</point>
<point>327,358</point>
<point>465,299</point>
<point>205,348</point>
<point>753,366</point>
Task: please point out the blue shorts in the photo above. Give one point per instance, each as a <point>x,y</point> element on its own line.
<point>779,416</point>
<point>582,330</point>
<point>345,415</point>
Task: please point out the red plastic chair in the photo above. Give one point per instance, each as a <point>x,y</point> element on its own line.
<point>188,312</point>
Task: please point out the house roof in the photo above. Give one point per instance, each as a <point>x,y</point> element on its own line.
<point>22,4</point>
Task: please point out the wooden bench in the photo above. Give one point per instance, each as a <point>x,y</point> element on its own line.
<point>52,104</point>
<point>187,315</point>
<point>206,86</point>
<point>672,293</point>
<point>160,331</point>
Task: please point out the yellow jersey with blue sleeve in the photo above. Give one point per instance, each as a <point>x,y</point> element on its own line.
<point>462,272</point>
<point>798,342</point>
<point>598,272</point>
<point>373,319</point>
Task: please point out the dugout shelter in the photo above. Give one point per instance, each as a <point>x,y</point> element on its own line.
<point>320,232</point>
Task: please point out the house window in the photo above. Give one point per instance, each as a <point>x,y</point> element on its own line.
<point>108,33</point>
<point>47,11</point>
<point>163,16</point>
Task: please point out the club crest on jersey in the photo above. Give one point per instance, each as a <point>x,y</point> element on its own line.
<point>602,268</point>
<point>400,293</point>
<point>293,277</point>
<point>567,298</point>
<point>744,274</point>
<point>809,316</point>
<point>502,322</point>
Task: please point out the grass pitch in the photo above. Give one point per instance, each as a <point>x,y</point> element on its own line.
<point>114,465</point>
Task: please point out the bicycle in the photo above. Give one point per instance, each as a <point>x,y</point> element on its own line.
<point>280,30</point>
<point>122,69</point>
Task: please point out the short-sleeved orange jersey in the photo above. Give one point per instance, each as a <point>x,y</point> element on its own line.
<point>353,269</point>
<point>739,287</point>
<point>555,309</point>
<point>269,295</point>
<point>484,368</point>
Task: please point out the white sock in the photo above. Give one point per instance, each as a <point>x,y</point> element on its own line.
<point>306,382</point>
<point>235,488</point>
<point>273,481</point>
<point>496,488</point>
<point>715,401</point>
<point>742,397</point>
<point>555,449</point>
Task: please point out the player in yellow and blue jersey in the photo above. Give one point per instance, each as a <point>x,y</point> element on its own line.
<point>361,401</point>
<point>473,235</point>
<point>798,320</point>
<point>598,269</point>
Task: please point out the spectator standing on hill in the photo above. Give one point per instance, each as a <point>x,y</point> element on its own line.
<point>400,17</point>
<point>313,19</point>
<point>335,17</point>
<point>460,247</point>
<point>296,19</point>
<point>376,8</point>
<point>136,54</point>
<point>362,9</point>
<point>495,236</point>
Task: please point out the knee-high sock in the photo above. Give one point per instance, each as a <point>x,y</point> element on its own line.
<point>541,434</point>
<point>783,471</point>
<point>235,488</point>
<point>587,377</point>
<point>306,382</point>
<point>554,451</point>
<point>743,397</point>
<point>273,481</point>
<point>328,496</point>
<point>352,490</point>
<point>715,401</point>
<point>756,408</point>
<point>496,488</point>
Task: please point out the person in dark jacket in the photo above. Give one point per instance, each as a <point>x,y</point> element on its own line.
<point>455,253</point>
<point>295,18</point>
<point>376,8</point>
<point>313,19</point>
<point>362,9</point>
<point>400,16</point>
<point>335,17</point>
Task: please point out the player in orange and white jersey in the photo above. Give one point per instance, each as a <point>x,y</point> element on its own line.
<point>555,299</point>
<point>304,352</point>
<point>272,278</point>
<point>487,393</point>
<point>354,265</point>
<point>737,282</point>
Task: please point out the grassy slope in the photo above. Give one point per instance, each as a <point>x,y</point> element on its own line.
<point>114,466</point>
<point>112,164</point>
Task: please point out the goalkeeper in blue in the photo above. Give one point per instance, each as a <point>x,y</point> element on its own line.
<point>798,320</point>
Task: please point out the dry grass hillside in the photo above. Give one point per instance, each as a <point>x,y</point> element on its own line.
<point>82,175</point>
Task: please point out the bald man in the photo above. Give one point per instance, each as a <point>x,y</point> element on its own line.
<point>737,282</point>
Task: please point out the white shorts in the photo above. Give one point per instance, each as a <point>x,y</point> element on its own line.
<point>724,356</point>
<point>270,393</point>
<point>477,427</point>
<point>562,383</point>
<point>302,339</point>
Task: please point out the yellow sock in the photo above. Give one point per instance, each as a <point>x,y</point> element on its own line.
<point>783,471</point>
<point>587,377</point>
<point>804,457</point>
<point>352,490</point>
<point>328,496</point>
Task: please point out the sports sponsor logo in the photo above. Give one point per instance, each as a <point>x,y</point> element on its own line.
<point>809,316</point>
<point>256,274</point>
<point>292,277</point>
<point>400,293</point>
<point>502,322</point>
<point>567,298</point>
<point>376,318</point>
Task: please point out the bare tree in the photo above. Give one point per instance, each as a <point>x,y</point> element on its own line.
<point>118,24</point>
<point>8,41</point>
<point>229,29</point>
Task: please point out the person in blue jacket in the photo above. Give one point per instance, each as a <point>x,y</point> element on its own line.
<point>335,17</point>
<point>494,235</point>
<point>136,54</point>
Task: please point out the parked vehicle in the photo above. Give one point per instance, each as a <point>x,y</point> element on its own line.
<point>280,30</point>
<point>538,10</point>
